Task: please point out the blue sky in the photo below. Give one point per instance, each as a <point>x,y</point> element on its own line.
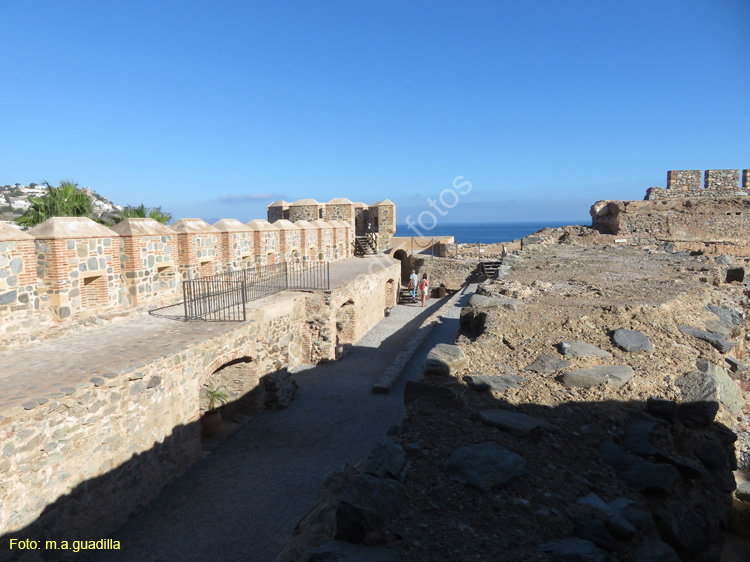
<point>213,109</point>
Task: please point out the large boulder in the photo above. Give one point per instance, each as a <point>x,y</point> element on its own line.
<point>482,301</point>
<point>388,460</point>
<point>682,527</point>
<point>573,550</point>
<point>438,395</point>
<point>444,360</point>
<point>484,466</point>
<point>495,383</point>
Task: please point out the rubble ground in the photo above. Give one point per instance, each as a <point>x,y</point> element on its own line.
<point>578,293</point>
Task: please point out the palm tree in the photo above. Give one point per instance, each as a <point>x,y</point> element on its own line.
<point>63,201</point>
<point>141,211</point>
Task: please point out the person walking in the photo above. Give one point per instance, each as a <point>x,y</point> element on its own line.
<point>413,282</point>
<point>424,287</point>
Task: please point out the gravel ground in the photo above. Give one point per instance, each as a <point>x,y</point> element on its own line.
<point>243,501</point>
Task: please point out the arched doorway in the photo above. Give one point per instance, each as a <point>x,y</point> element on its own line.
<point>238,379</point>
<point>403,257</point>
<point>346,324</point>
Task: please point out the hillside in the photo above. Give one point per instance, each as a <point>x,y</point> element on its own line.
<point>14,200</point>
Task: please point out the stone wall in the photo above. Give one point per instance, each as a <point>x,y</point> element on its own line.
<point>18,280</point>
<point>716,225</point>
<point>687,183</point>
<point>683,180</point>
<point>147,259</point>
<point>452,273</point>
<point>70,267</point>
<point>198,249</point>
<point>236,245</point>
<point>78,264</point>
<point>77,462</point>
<point>714,219</point>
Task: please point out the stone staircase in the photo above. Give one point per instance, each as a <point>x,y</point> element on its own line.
<point>404,296</point>
<point>488,268</point>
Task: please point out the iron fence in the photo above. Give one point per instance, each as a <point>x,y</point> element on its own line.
<point>218,297</point>
<point>223,297</point>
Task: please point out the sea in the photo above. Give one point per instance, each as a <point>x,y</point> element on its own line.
<point>485,232</point>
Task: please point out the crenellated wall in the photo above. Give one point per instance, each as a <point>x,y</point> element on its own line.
<point>70,267</point>
<point>86,442</point>
<point>687,183</point>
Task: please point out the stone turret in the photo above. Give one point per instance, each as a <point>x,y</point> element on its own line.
<point>308,240</point>
<point>305,210</point>
<point>278,210</point>
<point>340,209</point>
<point>385,222</point>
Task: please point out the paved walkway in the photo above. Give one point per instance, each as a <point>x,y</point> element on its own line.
<point>242,502</point>
<point>35,372</point>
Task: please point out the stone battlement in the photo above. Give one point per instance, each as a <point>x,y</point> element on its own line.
<point>716,184</point>
<point>73,267</point>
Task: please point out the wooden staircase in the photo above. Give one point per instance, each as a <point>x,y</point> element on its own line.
<point>363,246</point>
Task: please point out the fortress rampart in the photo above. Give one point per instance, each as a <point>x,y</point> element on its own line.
<point>713,217</point>
<point>96,421</point>
<point>72,267</point>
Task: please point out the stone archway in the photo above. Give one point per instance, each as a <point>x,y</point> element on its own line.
<point>346,323</point>
<point>403,257</point>
<point>240,379</point>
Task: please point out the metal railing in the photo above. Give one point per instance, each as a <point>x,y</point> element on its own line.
<point>218,297</point>
<point>223,297</point>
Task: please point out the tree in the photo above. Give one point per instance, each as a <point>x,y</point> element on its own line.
<point>63,201</point>
<point>143,212</point>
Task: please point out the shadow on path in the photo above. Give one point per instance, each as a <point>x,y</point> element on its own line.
<point>243,501</point>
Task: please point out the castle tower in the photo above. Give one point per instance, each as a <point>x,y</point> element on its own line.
<point>278,210</point>
<point>305,210</point>
<point>339,209</point>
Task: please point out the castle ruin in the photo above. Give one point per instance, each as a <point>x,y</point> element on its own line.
<point>712,216</point>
